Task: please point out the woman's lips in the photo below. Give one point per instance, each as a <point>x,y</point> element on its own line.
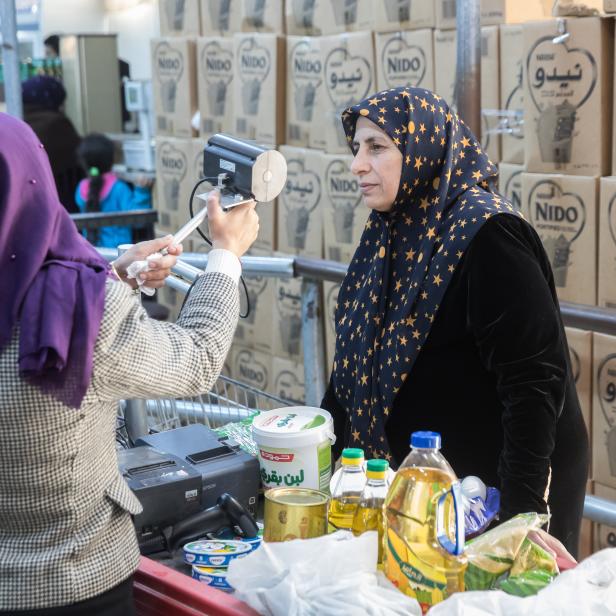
<point>366,188</point>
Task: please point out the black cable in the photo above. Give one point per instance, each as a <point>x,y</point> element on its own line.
<point>208,241</point>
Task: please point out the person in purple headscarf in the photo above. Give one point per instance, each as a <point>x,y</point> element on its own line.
<point>43,99</point>
<point>74,340</point>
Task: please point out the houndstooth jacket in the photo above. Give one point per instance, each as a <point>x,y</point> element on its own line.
<point>65,528</point>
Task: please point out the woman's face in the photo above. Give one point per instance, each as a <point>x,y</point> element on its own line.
<point>378,164</point>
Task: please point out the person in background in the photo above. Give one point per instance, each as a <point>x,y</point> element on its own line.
<point>102,191</point>
<point>52,46</point>
<point>74,340</point>
<point>43,98</point>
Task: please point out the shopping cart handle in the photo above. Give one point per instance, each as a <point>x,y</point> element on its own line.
<point>227,513</point>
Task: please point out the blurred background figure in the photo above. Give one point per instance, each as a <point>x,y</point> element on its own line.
<point>43,98</point>
<point>52,46</point>
<point>102,191</point>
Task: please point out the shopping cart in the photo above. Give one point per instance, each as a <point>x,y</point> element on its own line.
<point>228,409</point>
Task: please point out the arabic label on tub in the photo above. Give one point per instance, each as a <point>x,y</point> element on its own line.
<point>216,578</point>
<point>215,553</point>
<point>294,446</point>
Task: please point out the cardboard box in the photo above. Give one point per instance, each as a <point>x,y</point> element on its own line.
<point>262,16</point>
<point>445,79</point>
<point>604,410</point>
<point>305,88</point>
<point>220,17</point>
<point>604,536</point>
<point>179,17</point>
<point>510,183</point>
<point>609,6</point>
<point>288,317</point>
<point>580,353</point>
<point>490,91</point>
<point>289,381</point>
<point>174,85</point>
<point>256,330</point>
<point>585,546</point>
<point>252,367</point>
<point>404,59</point>
<point>330,297</point>
<point>259,87</point>
<point>493,12</point>
<point>215,72</point>
<point>300,217</point>
<point>174,180</point>
<point>268,219</point>
<point>563,210</point>
<point>512,93</point>
<point>398,15</point>
<point>607,244</point>
<point>344,213</point>
<point>567,97</point>
<point>348,63</point>
<point>320,17</point>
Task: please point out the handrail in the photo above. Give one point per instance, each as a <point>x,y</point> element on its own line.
<point>95,220</point>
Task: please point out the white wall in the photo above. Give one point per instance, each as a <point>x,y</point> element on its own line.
<point>71,16</point>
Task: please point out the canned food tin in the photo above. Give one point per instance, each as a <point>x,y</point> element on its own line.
<point>215,553</point>
<point>216,578</point>
<point>294,513</point>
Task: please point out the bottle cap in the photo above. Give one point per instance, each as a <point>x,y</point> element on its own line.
<point>352,456</point>
<point>377,469</point>
<point>426,440</point>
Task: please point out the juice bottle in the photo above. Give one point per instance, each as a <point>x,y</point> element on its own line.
<point>347,490</point>
<point>369,514</point>
<point>424,525</point>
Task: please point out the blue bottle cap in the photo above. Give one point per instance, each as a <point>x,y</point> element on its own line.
<point>426,440</point>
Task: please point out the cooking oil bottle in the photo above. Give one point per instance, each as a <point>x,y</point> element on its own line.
<point>347,490</point>
<point>369,514</point>
<point>424,525</point>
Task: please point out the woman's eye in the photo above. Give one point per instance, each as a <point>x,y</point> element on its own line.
<point>375,147</point>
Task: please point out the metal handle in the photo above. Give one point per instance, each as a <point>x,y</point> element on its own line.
<point>458,547</point>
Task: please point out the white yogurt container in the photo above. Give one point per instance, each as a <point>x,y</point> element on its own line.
<point>215,553</point>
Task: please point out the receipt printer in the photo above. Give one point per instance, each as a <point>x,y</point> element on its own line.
<point>178,473</point>
<point>244,169</point>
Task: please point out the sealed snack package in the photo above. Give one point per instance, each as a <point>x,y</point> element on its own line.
<point>481,505</point>
<point>492,555</point>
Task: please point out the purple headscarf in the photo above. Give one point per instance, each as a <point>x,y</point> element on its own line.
<point>52,281</point>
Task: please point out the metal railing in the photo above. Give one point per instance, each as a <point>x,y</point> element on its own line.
<point>133,218</point>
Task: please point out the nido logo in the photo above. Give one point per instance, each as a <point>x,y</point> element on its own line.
<point>343,192</point>
<point>303,188</point>
<point>289,387</point>
<point>216,64</point>
<point>254,61</point>
<point>168,62</point>
<point>347,77</point>
<point>251,370</point>
<point>172,161</point>
<point>553,210</point>
<point>513,190</point>
<point>556,74</point>
<point>403,64</point>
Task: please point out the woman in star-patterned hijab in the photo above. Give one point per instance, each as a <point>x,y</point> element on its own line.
<point>447,319</point>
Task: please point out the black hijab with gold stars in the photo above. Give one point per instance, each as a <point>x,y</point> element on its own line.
<point>407,257</point>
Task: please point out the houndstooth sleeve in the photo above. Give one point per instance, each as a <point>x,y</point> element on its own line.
<point>138,357</point>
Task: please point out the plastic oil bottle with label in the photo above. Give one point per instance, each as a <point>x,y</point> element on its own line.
<point>369,513</point>
<point>424,525</point>
<point>347,490</point>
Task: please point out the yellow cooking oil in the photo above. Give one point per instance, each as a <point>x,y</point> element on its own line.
<point>348,486</point>
<point>369,513</point>
<point>419,563</point>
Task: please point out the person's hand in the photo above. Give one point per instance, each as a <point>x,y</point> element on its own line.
<point>553,546</point>
<point>143,181</point>
<point>159,268</point>
<point>235,230</point>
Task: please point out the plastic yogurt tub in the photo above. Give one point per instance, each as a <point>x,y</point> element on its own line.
<point>216,578</point>
<point>215,553</point>
<point>294,446</point>
<point>228,533</point>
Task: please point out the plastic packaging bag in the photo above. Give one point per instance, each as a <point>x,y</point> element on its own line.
<point>481,505</point>
<point>330,575</point>
<point>587,590</point>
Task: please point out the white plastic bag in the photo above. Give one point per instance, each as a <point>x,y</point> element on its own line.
<point>587,590</point>
<point>330,575</point>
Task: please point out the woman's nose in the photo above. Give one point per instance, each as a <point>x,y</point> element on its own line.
<point>360,165</point>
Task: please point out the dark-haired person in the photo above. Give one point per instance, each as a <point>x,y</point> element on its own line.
<point>43,98</point>
<point>448,318</point>
<point>52,46</point>
<point>102,191</point>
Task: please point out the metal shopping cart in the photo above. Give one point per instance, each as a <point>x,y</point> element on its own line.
<point>228,409</point>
